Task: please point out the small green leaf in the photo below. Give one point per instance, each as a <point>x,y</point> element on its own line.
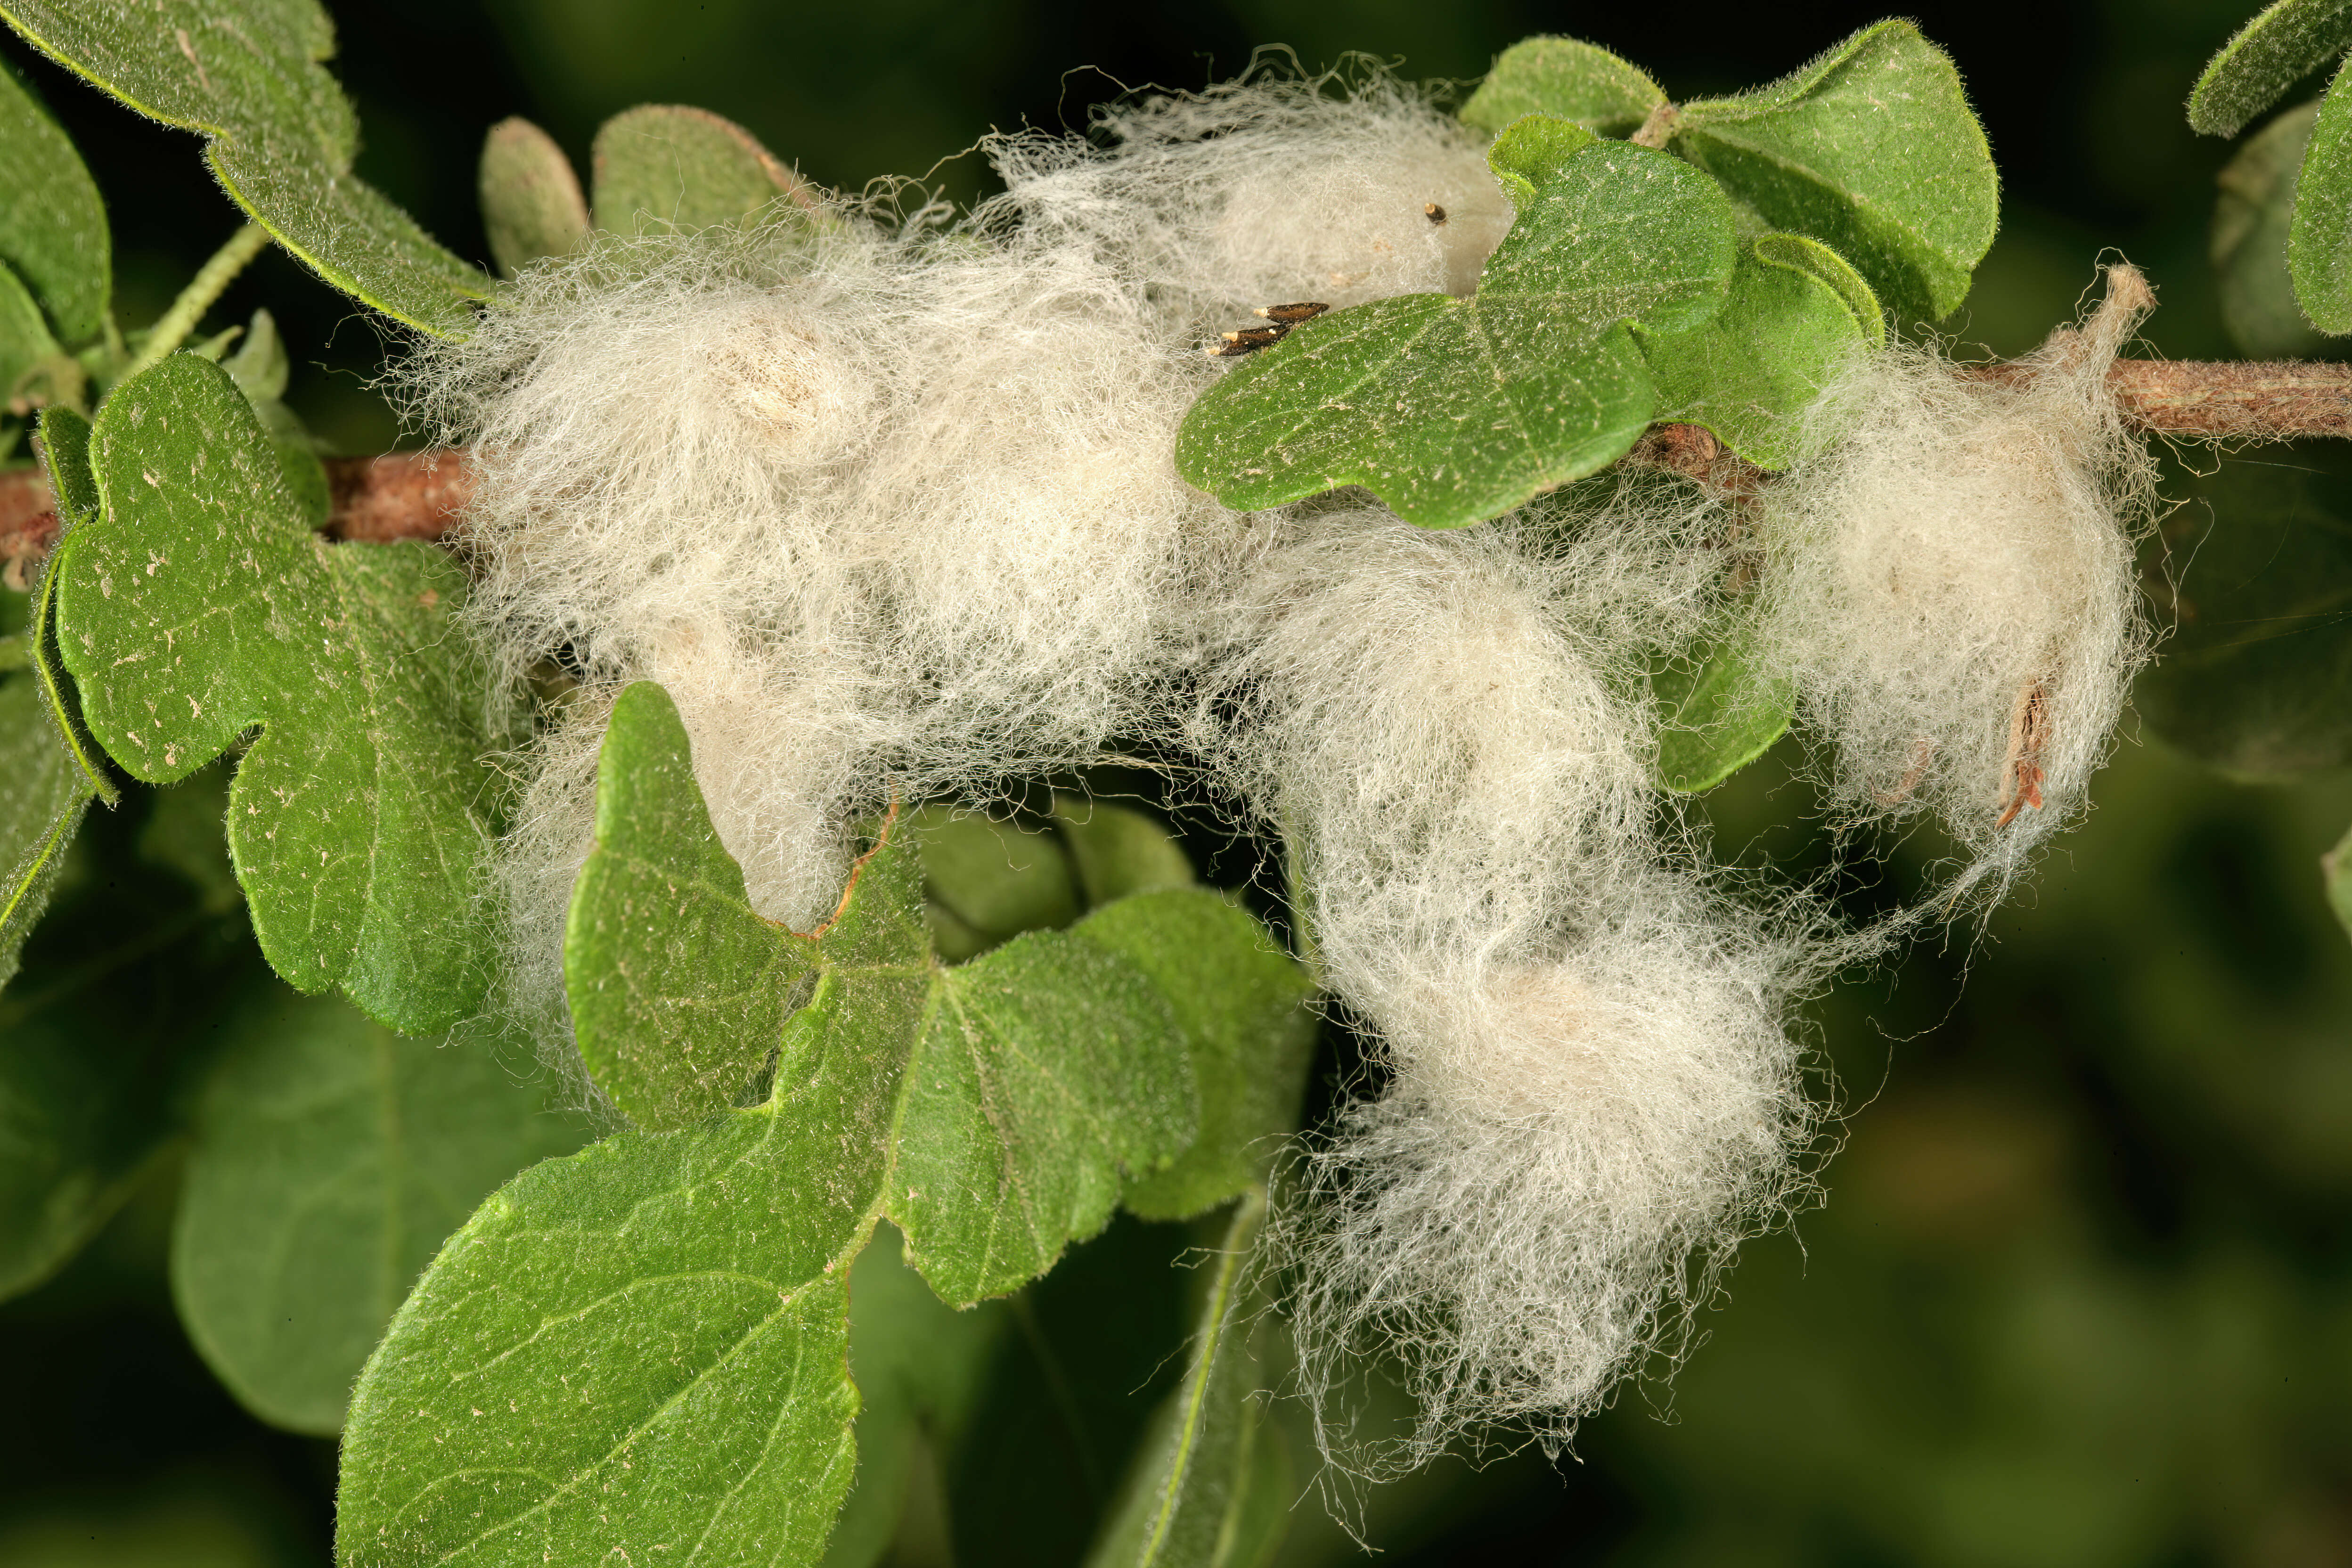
<point>63,441</point>
<point>53,232</point>
<point>2319,234</point>
<point>1778,343</point>
<point>1454,410</point>
<point>1243,1002</point>
<point>2256,676</point>
<point>1209,1485</point>
<point>668,166</point>
<point>1873,150</point>
<point>920,1367</point>
<point>1117,850</point>
<point>988,881</point>
<point>636,1353</point>
<point>331,1159</point>
<point>260,369</point>
<point>26,350</point>
<point>1011,1096</point>
<point>2250,221</point>
<point>1718,713</point>
<point>2284,43</point>
<point>40,807</point>
<point>531,204</point>
<point>1530,153</point>
<point>249,74</point>
<point>199,605</point>
<point>1568,77</point>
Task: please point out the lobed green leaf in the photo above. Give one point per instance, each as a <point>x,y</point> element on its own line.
<point>53,232</point>
<point>531,204</point>
<point>1531,153</point>
<point>250,75</point>
<point>2250,221</point>
<point>331,1160</point>
<point>2319,234</point>
<point>195,610</point>
<point>2285,42</point>
<point>669,166</point>
<point>1454,410</point>
<point>1873,150</point>
<point>1791,324</point>
<point>1567,78</point>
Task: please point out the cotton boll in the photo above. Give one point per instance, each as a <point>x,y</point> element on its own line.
<point>1951,586</point>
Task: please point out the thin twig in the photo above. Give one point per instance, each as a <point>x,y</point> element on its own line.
<point>173,327</point>
<point>418,495</point>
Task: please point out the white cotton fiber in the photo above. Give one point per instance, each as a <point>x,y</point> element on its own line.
<point>1951,584</point>
<point>891,510</point>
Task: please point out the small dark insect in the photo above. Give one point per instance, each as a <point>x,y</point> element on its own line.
<point>1434,213</point>
<point>1249,340</point>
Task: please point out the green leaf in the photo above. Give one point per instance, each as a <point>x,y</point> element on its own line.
<point>920,1367</point>
<point>988,881</point>
<point>636,1353</point>
<point>1244,1002</point>
<point>1117,850</point>
<point>1872,150</point>
<point>260,369</point>
<point>1719,711</point>
<point>2284,43</point>
<point>1011,1096</point>
<point>1568,77</point>
<point>1530,153</point>
<point>53,232</point>
<point>248,74</point>
<point>1776,345</point>
<point>668,166</point>
<point>1455,411</point>
<point>26,350</point>
<point>2319,234</point>
<point>199,605</point>
<point>124,985</point>
<point>531,204</point>
<point>1209,1485</point>
<point>63,441</point>
<point>2257,675</point>
<point>2251,220</point>
<point>40,807</point>
<point>331,1159</point>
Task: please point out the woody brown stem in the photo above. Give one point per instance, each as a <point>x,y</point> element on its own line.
<point>418,495</point>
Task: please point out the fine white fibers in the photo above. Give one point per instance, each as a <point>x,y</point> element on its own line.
<point>1951,586</point>
<point>1589,1078</point>
<point>891,510</point>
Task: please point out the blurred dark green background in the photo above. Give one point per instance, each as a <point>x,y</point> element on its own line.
<point>2081,1293</point>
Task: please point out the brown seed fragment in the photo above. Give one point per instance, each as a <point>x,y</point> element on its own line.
<point>1291,315</point>
<point>1434,213</point>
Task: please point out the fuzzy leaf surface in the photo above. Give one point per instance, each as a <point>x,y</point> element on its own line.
<point>40,806</point>
<point>1209,1486</point>
<point>638,1351</point>
<point>2252,219</point>
<point>331,1159</point>
<point>1719,711</point>
<point>2319,234</point>
<point>667,166</point>
<point>199,605</point>
<point>250,75</point>
<point>2284,43</point>
<point>63,442</point>
<point>1873,150</point>
<point>1568,77</point>
<point>1530,153</point>
<point>531,204</point>
<point>1769,351</point>
<point>2257,675</point>
<point>1009,1097</point>
<point>53,232</point>
<point>1454,410</point>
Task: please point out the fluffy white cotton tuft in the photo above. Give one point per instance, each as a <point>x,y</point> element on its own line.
<point>1951,584</point>
<point>892,510</point>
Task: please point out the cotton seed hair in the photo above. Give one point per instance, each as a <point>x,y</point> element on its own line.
<point>891,511</point>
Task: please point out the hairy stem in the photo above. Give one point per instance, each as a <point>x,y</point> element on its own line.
<point>172,329</point>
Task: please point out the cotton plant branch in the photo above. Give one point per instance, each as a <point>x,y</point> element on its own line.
<point>418,495</point>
